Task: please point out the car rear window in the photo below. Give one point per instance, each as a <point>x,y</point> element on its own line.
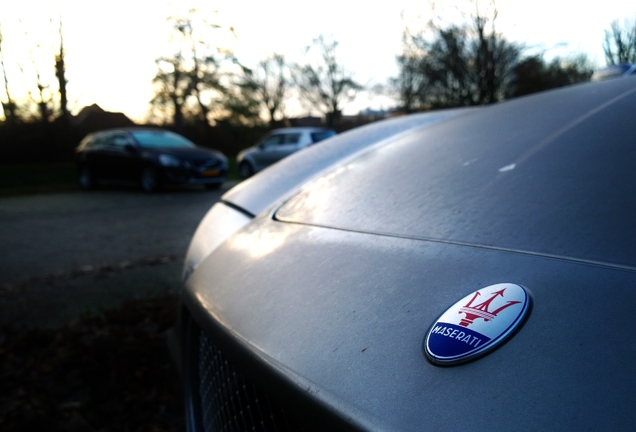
<point>293,138</point>
<point>93,141</point>
<point>319,136</point>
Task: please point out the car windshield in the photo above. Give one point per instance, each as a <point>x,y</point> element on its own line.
<point>161,139</point>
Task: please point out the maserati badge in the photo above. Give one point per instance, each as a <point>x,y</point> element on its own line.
<point>476,324</point>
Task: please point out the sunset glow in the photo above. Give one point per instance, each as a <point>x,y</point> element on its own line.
<point>111,47</point>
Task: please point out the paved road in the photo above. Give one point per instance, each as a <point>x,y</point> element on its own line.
<point>64,254</point>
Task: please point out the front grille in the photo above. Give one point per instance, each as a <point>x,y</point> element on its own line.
<point>206,163</point>
<point>230,402</point>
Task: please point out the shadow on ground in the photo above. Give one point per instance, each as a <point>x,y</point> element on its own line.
<point>85,350</point>
<point>106,371</point>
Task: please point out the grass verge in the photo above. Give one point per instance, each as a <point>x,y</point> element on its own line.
<point>23,179</point>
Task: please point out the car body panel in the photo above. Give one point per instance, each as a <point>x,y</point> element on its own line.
<point>358,246</point>
<point>117,155</point>
<point>348,316</point>
<point>259,193</point>
<point>109,158</point>
<point>468,181</point>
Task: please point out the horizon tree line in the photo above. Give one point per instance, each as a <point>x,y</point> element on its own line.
<point>49,99</point>
<point>441,65</point>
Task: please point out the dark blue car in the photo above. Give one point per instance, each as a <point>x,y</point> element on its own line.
<point>150,158</point>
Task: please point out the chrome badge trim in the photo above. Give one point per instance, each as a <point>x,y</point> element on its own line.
<point>476,324</point>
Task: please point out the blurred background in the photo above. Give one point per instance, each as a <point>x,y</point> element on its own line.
<point>222,73</point>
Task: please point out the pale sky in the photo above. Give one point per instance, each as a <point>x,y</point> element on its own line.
<point>111,46</point>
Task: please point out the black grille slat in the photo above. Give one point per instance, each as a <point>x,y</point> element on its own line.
<point>230,402</point>
<point>207,163</point>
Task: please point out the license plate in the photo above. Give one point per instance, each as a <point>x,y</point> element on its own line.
<point>210,173</point>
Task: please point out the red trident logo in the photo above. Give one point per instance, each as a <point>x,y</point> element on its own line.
<point>481,310</point>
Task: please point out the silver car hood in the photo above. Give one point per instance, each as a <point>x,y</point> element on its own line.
<point>281,181</point>
<point>342,316</point>
<point>336,290</point>
<point>552,175</point>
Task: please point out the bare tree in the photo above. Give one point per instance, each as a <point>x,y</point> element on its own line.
<point>449,71</point>
<point>410,83</point>
<point>326,84</point>
<point>270,82</point>
<point>43,98</point>
<point>204,72</point>
<point>41,91</point>
<point>9,107</point>
<point>60,73</point>
<point>242,101</point>
<point>619,45</point>
<point>455,65</point>
<point>189,82</point>
<point>534,74</point>
<point>172,88</point>
<point>494,56</point>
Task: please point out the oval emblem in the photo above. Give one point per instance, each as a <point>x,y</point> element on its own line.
<point>476,324</point>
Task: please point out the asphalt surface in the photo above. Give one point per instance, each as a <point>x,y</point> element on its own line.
<point>63,255</point>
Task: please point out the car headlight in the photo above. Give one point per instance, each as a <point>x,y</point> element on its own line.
<point>169,161</point>
<point>221,222</point>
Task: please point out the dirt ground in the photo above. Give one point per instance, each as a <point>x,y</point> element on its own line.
<point>107,371</point>
<point>51,300</point>
<point>88,293</point>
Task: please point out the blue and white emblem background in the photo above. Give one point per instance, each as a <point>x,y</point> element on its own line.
<point>477,323</point>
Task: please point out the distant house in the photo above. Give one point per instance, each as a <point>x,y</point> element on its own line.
<point>93,118</point>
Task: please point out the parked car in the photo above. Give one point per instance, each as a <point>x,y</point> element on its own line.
<point>613,71</point>
<point>277,145</point>
<point>464,270</point>
<point>148,157</point>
